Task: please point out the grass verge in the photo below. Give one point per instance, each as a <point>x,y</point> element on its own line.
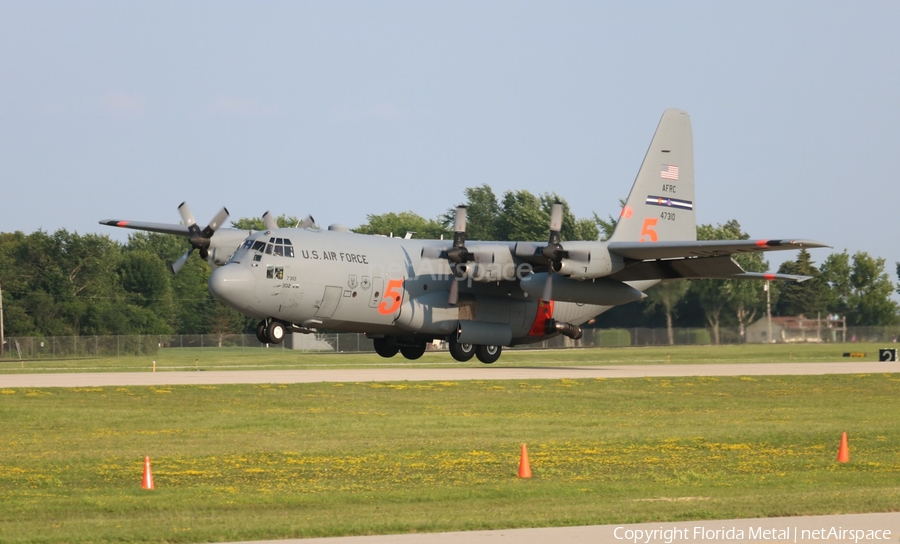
<point>248,462</point>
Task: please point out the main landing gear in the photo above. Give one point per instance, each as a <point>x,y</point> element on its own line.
<point>464,352</point>
<point>389,346</point>
<point>461,352</point>
<point>412,349</point>
<point>270,332</point>
<point>488,354</point>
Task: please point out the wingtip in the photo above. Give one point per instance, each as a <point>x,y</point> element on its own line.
<point>809,243</point>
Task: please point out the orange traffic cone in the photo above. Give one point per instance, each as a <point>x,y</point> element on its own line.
<point>524,465</point>
<point>844,451</point>
<point>147,481</point>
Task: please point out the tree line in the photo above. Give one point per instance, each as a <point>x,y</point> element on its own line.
<point>64,283</point>
<point>67,284</point>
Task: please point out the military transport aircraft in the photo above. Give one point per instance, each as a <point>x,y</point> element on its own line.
<point>477,295</point>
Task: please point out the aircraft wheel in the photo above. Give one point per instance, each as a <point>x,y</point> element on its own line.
<point>261,332</point>
<point>488,354</point>
<point>385,347</point>
<point>461,352</point>
<point>275,332</point>
<point>413,352</point>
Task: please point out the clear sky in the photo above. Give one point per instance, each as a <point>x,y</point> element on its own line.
<point>122,110</point>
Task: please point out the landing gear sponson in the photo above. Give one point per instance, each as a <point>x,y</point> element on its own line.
<point>271,331</point>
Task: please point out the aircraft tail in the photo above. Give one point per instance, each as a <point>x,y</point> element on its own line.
<point>660,206</point>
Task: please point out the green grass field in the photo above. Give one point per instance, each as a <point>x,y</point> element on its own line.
<point>261,358</point>
<point>242,462</point>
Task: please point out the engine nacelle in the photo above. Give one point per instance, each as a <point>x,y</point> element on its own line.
<point>601,291</point>
<point>588,260</point>
<point>492,263</point>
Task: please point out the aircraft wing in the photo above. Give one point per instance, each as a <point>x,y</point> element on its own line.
<point>642,251</point>
<point>716,268</point>
<point>165,228</point>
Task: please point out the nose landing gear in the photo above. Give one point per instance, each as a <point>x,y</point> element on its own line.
<point>270,331</point>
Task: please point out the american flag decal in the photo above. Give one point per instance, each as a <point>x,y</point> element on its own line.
<point>669,171</point>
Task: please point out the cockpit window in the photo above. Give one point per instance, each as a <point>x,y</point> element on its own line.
<point>279,247</point>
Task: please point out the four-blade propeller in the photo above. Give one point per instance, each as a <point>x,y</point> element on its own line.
<point>458,255</point>
<point>199,239</point>
<point>553,251</point>
<point>271,223</point>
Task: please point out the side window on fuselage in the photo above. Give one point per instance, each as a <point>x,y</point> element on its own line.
<point>275,272</point>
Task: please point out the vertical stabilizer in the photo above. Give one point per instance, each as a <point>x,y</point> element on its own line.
<point>660,206</point>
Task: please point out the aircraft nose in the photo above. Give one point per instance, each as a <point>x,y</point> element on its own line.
<point>234,285</point>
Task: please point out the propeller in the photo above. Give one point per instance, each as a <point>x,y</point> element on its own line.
<point>458,254</point>
<point>553,251</point>
<point>199,239</point>
<point>269,221</point>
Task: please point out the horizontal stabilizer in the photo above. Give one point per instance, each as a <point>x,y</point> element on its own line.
<point>771,276</point>
<point>642,251</point>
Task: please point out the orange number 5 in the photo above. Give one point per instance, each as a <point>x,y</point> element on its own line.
<point>390,302</point>
<point>648,232</point>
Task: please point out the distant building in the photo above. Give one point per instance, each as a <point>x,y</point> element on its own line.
<point>798,329</point>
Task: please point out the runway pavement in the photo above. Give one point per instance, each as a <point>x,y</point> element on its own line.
<point>101,379</point>
<point>884,527</point>
<point>860,528</point>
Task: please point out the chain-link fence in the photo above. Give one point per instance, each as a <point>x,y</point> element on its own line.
<point>79,347</point>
